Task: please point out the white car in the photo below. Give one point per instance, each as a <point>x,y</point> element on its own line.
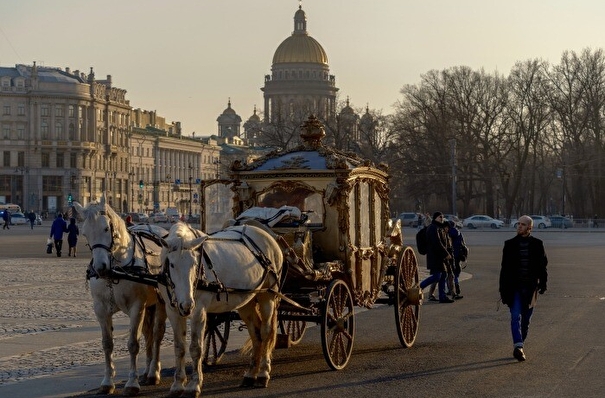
<point>159,217</point>
<point>18,219</point>
<point>482,221</point>
<point>540,222</point>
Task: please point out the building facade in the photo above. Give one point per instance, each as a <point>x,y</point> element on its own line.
<point>67,136</point>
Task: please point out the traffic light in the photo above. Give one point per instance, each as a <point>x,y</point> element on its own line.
<point>70,199</point>
<point>141,184</point>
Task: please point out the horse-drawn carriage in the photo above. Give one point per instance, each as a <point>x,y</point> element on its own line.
<point>345,250</point>
<point>317,222</point>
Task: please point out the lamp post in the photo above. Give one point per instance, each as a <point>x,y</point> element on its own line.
<point>14,197</point>
<point>190,190</point>
<point>217,163</point>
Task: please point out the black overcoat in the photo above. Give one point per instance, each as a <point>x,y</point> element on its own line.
<point>509,272</point>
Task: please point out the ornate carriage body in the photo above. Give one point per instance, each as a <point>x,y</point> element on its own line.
<point>346,202</point>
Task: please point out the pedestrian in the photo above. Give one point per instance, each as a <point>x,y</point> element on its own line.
<point>437,256</point>
<point>72,236</point>
<point>129,222</point>
<point>457,244</point>
<point>57,229</point>
<point>6,216</point>
<point>32,218</point>
<point>523,275</point>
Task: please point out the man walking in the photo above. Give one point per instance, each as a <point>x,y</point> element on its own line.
<point>6,216</point>
<point>523,275</point>
<point>437,256</point>
<point>57,229</point>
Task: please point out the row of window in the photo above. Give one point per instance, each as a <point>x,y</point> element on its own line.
<point>19,82</point>
<point>307,75</point>
<point>59,111</point>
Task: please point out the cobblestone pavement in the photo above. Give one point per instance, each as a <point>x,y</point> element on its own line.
<point>47,324</point>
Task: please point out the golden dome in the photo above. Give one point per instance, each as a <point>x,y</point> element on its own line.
<point>300,47</point>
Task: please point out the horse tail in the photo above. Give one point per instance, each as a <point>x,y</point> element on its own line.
<point>148,323</point>
<point>273,335</point>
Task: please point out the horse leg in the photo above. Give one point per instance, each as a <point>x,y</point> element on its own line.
<point>159,329</point>
<point>132,386</point>
<point>179,328</point>
<point>198,325</point>
<point>267,305</point>
<point>251,318</point>
<point>153,329</point>
<point>106,324</point>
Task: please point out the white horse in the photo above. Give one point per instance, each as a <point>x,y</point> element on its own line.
<point>115,248</point>
<point>238,268</point>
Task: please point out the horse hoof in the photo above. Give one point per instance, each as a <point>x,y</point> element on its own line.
<point>131,391</point>
<point>152,381</point>
<point>262,382</point>
<point>248,382</point>
<point>106,390</point>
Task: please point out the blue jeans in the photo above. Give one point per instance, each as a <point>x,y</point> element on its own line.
<point>520,316</point>
<point>436,277</point>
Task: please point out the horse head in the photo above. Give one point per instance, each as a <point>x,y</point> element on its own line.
<point>105,232</point>
<point>181,262</point>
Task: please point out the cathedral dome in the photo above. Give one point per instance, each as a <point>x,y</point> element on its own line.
<point>300,47</point>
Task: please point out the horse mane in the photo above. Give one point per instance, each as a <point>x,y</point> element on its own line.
<point>179,234</point>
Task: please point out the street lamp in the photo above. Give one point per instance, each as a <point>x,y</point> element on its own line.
<point>190,190</point>
<point>217,162</point>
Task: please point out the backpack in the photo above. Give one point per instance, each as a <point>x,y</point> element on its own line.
<point>421,240</point>
<point>464,250</point>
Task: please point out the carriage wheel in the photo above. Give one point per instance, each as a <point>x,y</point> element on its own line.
<point>216,337</point>
<point>408,297</point>
<point>295,329</point>
<point>338,325</point>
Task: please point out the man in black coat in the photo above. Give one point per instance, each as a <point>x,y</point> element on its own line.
<point>437,256</point>
<point>523,275</point>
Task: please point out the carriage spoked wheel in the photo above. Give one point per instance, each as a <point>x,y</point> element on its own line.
<point>216,337</point>
<point>338,325</point>
<point>408,297</point>
<point>295,329</point>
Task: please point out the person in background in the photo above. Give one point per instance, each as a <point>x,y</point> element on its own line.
<point>72,236</point>
<point>129,222</point>
<point>457,241</point>
<point>523,275</point>
<point>31,216</point>
<point>6,216</point>
<point>437,256</point>
<point>57,229</point>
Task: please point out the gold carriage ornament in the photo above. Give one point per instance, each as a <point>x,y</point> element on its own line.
<point>345,245</point>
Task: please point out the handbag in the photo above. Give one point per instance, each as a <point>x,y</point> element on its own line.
<point>49,246</point>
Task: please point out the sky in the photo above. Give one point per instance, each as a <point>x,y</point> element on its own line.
<point>186,58</point>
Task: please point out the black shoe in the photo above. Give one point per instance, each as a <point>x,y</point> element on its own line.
<point>519,354</point>
<point>432,298</point>
<point>458,297</point>
<point>446,300</point>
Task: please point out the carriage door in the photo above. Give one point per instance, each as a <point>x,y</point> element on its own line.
<point>216,204</point>
<point>365,208</point>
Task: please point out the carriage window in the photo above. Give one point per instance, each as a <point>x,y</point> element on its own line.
<point>303,198</point>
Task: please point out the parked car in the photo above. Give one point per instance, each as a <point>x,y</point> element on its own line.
<point>455,219</point>
<point>408,219</point>
<point>18,219</point>
<point>560,222</point>
<point>482,221</point>
<point>159,217</point>
<point>540,222</point>
<point>138,217</point>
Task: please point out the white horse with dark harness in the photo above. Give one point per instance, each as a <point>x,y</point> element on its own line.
<point>238,268</point>
<point>120,276</point>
